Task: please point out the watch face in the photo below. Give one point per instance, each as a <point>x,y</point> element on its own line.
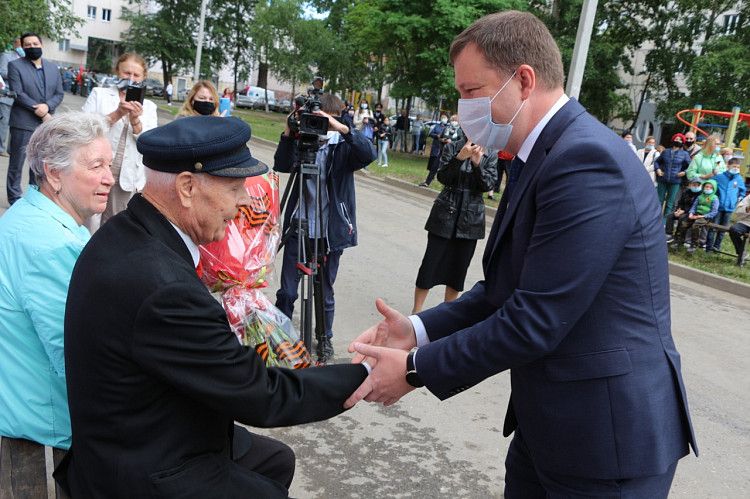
<point>413,379</point>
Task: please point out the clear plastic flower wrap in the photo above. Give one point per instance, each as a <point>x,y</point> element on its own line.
<point>239,266</point>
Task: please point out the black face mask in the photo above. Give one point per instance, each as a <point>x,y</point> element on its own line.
<point>33,53</point>
<point>676,143</point>
<point>689,143</point>
<point>203,107</point>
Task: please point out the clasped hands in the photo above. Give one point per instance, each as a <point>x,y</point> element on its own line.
<point>384,347</point>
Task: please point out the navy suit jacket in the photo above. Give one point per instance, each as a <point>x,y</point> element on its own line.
<point>23,80</point>
<point>575,302</point>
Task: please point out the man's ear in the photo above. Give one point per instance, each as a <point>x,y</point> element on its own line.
<point>528,80</point>
<point>185,186</point>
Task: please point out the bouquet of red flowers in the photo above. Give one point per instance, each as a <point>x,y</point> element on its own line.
<point>239,266</point>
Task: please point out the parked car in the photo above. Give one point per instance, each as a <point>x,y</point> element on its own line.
<point>283,106</point>
<point>255,98</point>
<point>153,87</point>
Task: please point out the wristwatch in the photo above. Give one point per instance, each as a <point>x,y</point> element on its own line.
<point>411,372</point>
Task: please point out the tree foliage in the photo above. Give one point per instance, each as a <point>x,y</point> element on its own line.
<point>162,30</point>
<point>53,19</point>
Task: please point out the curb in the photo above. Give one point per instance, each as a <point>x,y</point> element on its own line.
<point>712,281</point>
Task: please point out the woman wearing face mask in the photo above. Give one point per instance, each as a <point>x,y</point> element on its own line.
<point>648,156</point>
<point>708,163</point>
<point>362,112</point>
<point>670,170</point>
<point>438,142</point>
<point>127,120</point>
<point>201,100</point>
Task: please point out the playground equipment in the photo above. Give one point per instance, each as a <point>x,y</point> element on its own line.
<point>734,116</point>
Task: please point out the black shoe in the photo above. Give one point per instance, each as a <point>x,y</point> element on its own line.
<point>324,350</point>
<point>423,184</point>
<point>670,239</point>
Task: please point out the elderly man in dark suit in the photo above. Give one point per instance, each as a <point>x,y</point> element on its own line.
<point>38,86</point>
<point>155,376</point>
<point>575,300</point>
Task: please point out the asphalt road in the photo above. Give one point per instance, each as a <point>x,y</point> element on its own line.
<point>424,448</point>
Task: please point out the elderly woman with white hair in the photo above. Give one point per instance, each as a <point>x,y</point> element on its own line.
<point>41,236</point>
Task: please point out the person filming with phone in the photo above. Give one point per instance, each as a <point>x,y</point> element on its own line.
<point>456,220</point>
<point>128,115</point>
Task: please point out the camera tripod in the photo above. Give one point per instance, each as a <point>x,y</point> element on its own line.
<point>311,255</point>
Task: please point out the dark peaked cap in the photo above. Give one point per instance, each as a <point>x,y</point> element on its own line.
<point>201,144</point>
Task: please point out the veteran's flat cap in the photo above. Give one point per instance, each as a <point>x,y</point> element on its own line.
<point>201,144</point>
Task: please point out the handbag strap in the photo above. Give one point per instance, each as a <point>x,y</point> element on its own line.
<point>120,152</point>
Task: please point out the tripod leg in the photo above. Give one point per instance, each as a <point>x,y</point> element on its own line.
<point>320,311</point>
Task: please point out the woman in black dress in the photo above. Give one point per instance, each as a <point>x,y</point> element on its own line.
<point>456,220</point>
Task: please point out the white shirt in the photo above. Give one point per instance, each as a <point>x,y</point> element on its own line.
<point>191,246</point>
<point>523,154</point>
<point>105,101</point>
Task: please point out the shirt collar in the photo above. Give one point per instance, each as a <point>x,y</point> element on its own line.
<point>528,144</point>
<point>42,202</point>
<point>195,253</point>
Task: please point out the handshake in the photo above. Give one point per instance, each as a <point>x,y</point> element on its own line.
<point>385,347</point>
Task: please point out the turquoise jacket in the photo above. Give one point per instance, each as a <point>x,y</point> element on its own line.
<point>39,245</point>
<point>703,164</point>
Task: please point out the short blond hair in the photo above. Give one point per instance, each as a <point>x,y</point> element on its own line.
<point>127,56</point>
<point>511,38</point>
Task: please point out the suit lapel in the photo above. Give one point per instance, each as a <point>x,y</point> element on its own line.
<point>549,136</point>
<point>158,226</point>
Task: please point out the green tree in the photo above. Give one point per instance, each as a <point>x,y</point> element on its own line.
<point>163,30</point>
<point>719,80</point>
<point>53,19</point>
<point>229,32</point>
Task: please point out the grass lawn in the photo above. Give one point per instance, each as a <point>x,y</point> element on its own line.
<point>413,169</point>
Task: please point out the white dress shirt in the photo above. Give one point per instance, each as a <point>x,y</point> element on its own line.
<point>523,154</point>
<point>104,101</point>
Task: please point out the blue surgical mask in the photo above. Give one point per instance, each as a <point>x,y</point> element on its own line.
<point>717,149</point>
<point>696,188</point>
<point>734,171</point>
<point>20,52</point>
<point>708,192</point>
<point>650,147</point>
<point>475,117</point>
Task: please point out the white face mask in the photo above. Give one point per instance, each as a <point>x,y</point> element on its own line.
<point>454,123</point>
<point>734,171</point>
<point>475,117</point>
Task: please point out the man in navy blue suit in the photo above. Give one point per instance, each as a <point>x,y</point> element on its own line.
<point>575,296</point>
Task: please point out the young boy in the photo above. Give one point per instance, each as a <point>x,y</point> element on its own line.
<point>740,229</point>
<point>730,187</point>
<point>683,206</point>
<point>704,211</point>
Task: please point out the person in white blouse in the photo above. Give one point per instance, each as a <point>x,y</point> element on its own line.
<point>127,120</point>
<point>648,156</point>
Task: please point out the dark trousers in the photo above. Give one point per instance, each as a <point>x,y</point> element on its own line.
<point>433,165</point>
<point>714,238</point>
<point>290,276</point>
<point>19,139</point>
<point>671,219</point>
<point>263,455</point>
<point>736,233</point>
<point>525,480</point>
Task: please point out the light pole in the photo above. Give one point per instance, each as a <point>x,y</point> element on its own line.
<point>581,48</point>
<point>197,68</point>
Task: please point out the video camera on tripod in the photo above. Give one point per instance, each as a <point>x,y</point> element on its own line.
<point>307,129</point>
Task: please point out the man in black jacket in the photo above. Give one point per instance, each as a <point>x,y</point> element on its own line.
<point>341,152</point>
<point>155,375</point>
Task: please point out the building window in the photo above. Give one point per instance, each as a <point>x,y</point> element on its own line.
<point>106,15</point>
<point>730,22</point>
<point>91,12</point>
<point>63,45</point>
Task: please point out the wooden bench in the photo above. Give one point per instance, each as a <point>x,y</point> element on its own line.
<point>725,228</point>
<point>26,470</point>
